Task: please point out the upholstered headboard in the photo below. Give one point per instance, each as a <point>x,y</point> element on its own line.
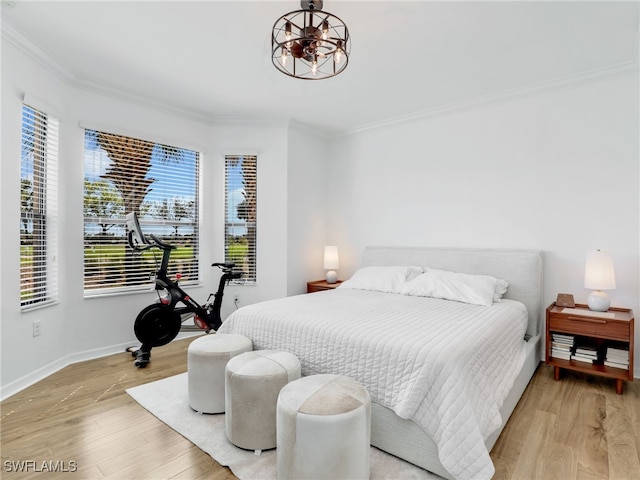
<point>521,268</point>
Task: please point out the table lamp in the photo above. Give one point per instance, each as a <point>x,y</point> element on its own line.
<point>331,262</point>
<point>599,275</point>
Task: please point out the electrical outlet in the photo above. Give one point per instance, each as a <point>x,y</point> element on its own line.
<point>36,328</point>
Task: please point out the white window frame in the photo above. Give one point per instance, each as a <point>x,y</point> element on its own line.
<point>166,186</point>
<point>240,186</point>
<point>38,209</point>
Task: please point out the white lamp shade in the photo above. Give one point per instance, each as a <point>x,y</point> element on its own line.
<point>598,272</point>
<point>331,259</point>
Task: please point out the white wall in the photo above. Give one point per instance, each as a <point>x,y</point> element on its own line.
<point>556,171</point>
<point>20,351</point>
<point>78,328</point>
<point>307,191</point>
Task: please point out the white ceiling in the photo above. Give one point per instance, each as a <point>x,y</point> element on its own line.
<point>211,59</point>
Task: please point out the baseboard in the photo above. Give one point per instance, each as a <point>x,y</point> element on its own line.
<point>20,384</point>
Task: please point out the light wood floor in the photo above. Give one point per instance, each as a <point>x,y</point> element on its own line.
<point>81,417</point>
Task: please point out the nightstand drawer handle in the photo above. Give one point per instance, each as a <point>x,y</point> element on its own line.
<point>591,320</point>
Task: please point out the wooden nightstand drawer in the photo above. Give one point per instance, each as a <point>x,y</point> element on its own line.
<point>593,327</point>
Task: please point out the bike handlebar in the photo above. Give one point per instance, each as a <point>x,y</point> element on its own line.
<point>133,243</point>
<point>138,241</point>
<point>160,243</point>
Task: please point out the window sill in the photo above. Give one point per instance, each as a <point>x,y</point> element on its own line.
<point>39,306</point>
<point>114,292</point>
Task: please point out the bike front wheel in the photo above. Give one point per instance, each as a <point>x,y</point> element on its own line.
<point>157,325</point>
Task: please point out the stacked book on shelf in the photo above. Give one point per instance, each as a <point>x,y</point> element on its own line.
<point>617,357</point>
<point>585,354</point>
<point>561,345</point>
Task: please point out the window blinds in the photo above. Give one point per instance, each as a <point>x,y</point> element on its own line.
<point>160,183</point>
<point>38,209</point>
<point>241,192</point>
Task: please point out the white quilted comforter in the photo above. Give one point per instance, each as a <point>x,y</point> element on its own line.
<point>448,366</point>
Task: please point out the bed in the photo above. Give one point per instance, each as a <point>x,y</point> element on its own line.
<point>443,375</point>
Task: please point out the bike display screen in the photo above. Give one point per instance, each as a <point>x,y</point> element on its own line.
<point>135,232</point>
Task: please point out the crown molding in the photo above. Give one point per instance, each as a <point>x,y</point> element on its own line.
<point>326,132</point>
<point>35,53</point>
<point>626,69</point>
<point>251,121</point>
<point>16,38</point>
<point>112,92</point>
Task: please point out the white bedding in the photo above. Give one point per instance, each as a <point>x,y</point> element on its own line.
<point>445,365</point>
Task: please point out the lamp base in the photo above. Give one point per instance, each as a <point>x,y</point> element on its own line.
<point>598,301</point>
<point>332,276</point>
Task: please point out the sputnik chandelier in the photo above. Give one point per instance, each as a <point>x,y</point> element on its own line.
<point>310,44</point>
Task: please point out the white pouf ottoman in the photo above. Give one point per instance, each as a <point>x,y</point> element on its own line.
<point>324,429</point>
<point>207,358</point>
<point>253,381</point>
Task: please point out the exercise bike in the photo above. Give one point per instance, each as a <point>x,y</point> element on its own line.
<point>160,322</point>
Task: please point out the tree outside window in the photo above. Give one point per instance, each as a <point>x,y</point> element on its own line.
<point>160,184</point>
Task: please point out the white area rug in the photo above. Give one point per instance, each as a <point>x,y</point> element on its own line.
<point>167,400</point>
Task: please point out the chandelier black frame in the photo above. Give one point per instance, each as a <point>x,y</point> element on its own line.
<point>310,43</point>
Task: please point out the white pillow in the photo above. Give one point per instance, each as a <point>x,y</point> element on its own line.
<point>461,287</point>
<point>381,279</point>
<point>501,289</point>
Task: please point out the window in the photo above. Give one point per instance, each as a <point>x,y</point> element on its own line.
<point>240,200</point>
<point>159,183</point>
<point>38,209</point>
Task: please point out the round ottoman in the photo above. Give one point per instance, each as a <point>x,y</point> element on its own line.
<point>253,381</point>
<point>324,429</point>
<point>207,358</point>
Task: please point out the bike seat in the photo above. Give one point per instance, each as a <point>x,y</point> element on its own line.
<point>223,265</point>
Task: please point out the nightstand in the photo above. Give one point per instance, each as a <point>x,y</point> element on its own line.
<point>319,285</point>
<point>598,343</point>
